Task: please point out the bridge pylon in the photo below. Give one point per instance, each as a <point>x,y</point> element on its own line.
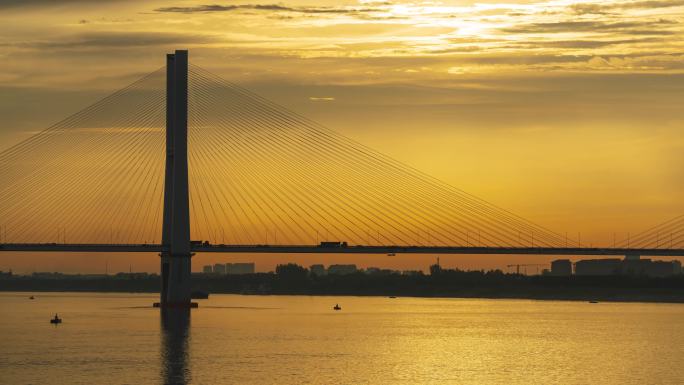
<point>176,254</point>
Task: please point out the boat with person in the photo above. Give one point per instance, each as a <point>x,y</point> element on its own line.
<point>56,320</point>
<point>337,307</point>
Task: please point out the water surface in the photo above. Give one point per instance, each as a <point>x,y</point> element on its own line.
<point>233,339</point>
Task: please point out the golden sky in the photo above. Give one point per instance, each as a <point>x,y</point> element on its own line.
<point>565,112</point>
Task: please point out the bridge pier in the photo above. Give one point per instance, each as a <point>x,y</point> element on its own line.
<point>176,256</point>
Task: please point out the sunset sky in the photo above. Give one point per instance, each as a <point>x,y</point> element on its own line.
<point>568,113</point>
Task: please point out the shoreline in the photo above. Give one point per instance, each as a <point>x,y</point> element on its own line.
<point>679,299</point>
<point>449,284</point>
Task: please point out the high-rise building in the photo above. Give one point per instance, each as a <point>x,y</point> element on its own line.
<point>632,265</point>
<point>240,268</point>
<point>561,267</point>
<point>598,266</point>
<point>663,268</point>
<point>219,268</point>
<point>341,269</point>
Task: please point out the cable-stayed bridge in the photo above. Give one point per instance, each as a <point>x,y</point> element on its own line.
<point>183,154</point>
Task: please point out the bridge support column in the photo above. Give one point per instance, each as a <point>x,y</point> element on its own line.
<point>175,259</point>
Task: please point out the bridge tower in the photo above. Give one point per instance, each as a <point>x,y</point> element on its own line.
<point>176,255</point>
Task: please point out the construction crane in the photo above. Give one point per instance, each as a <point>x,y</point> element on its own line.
<point>517,267</point>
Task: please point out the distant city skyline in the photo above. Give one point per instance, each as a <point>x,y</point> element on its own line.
<point>98,263</point>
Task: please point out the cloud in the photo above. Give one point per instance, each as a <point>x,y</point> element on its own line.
<point>263,7</point>
<point>218,8</point>
<point>640,32</point>
<point>588,44</point>
<point>321,98</point>
<point>47,3</point>
<point>593,26</point>
<point>595,8</point>
<point>651,4</point>
<point>589,8</point>
<point>114,39</point>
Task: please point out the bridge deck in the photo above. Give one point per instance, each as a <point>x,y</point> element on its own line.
<point>308,249</point>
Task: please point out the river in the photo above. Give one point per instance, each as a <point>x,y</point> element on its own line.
<point>234,339</point>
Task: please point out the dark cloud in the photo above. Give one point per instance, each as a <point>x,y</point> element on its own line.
<point>593,26</point>
<point>591,8</point>
<point>114,40</point>
<point>220,8</point>
<point>651,4</point>
<point>519,59</point>
<point>262,7</point>
<point>644,32</point>
<point>48,3</point>
<point>588,44</point>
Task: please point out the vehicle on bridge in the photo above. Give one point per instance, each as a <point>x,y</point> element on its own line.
<point>333,244</point>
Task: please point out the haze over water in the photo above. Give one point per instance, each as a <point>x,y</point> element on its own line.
<point>120,339</point>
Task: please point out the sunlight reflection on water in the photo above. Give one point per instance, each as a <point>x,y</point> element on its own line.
<point>121,339</point>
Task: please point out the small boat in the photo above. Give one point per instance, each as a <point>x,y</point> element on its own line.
<point>337,307</point>
<point>593,301</point>
<point>391,296</point>
<point>56,320</point>
<point>32,297</point>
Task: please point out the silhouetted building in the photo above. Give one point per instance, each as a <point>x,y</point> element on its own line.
<point>219,268</point>
<point>207,269</point>
<point>240,268</point>
<point>561,267</point>
<point>380,271</point>
<point>436,268</point>
<point>341,269</point>
<point>318,270</point>
<point>631,265</point>
<point>598,266</point>
<point>664,268</point>
<point>650,268</point>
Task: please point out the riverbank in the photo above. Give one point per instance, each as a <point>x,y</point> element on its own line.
<point>451,285</point>
<point>660,296</point>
